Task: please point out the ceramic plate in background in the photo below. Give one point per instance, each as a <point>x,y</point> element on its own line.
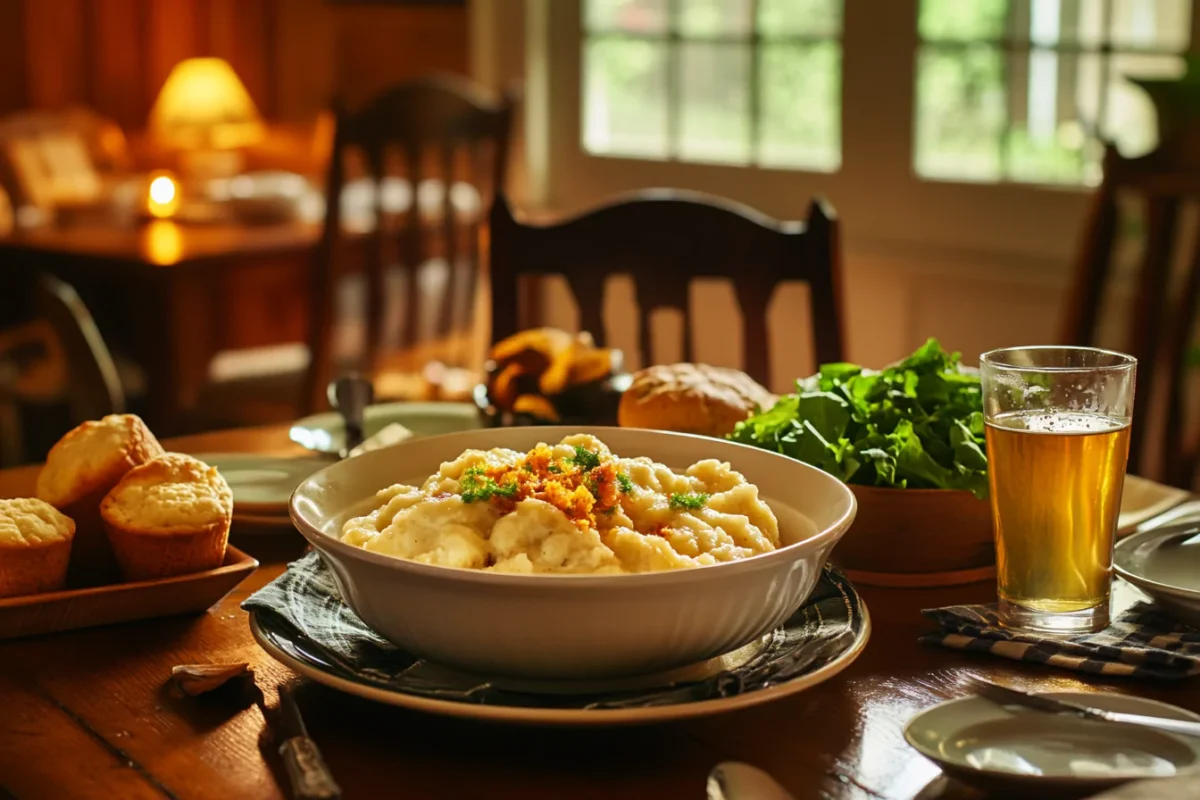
<point>262,485</point>
<point>1021,751</point>
<point>1144,499</point>
<point>1165,564</point>
<point>326,432</point>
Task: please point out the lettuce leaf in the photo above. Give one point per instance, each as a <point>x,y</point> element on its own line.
<point>917,424</point>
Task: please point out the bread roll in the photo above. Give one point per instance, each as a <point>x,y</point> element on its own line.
<point>170,516</point>
<point>691,398</point>
<point>80,470</point>
<point>35,546</point>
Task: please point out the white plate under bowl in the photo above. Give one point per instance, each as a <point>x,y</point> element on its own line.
<point>818,642</point>
<point>574,626</point>
<point>326,433</point>
<point>1143,499</point>
<point>262,485</point>
<point>1165,564</point>
<point>1019,751</point>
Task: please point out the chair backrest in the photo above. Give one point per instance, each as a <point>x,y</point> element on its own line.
<point>1164,311</point>
<point>439,128</point>
<point>93,384</point>
<point>663,239</point>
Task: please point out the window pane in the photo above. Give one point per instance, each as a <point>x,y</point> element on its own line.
<point>960,113</point>
<point>633,16</point>
<point>625,97</point>
<point>1044,142</point>
<point>800,17</point>
<point>1089,23</point>
<point>1052,22</point>
<point>1152,24</point>
<point>714,119</point>
<point>715,17</point>
<point>800,106</point>
<point>956,20</point>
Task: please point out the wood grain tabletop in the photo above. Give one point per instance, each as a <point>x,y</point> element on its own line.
<point>87,714</point>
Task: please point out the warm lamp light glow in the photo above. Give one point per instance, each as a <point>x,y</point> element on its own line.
<point>163,196</point>
<point>203,105</point>
<point>163,242</point>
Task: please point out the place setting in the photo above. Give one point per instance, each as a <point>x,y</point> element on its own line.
<point>392,608</point>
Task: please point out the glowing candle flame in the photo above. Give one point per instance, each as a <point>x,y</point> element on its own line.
<point>164,196</point>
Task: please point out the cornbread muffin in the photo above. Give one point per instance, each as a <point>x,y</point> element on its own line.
<point>35,546</point>
<point>80,470</point>
<point>691,398</point>
<point>170,516</point>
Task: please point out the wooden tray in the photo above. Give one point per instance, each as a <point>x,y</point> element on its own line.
<point>121,602</point>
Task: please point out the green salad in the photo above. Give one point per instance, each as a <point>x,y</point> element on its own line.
<point>918,424</point>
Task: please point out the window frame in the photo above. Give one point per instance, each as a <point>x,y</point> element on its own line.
<point>675,41</point>
<point>886,209</point>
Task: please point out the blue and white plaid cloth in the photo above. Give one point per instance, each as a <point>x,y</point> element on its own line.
<point>1143,642</point>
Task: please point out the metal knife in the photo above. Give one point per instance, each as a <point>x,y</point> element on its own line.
<point>309,776</point>
<point>1015,697</point>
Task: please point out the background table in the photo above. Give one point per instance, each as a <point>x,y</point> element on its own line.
<point>86,714</point>
<point>173,295</point>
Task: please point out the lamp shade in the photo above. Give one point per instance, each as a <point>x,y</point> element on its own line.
<point>203,105</point>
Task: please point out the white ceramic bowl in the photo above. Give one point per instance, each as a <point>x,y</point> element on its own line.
<point>574,626</point>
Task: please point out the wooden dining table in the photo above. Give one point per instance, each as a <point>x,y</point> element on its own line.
<point>87,713</point>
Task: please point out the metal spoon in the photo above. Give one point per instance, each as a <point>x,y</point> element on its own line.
<point>733,780</point>
<point>350,397</point>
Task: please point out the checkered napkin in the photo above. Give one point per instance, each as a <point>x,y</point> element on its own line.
<point>1141,643</point>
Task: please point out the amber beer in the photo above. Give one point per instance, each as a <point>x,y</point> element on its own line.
<point>1056,483</point>
<point>1057,421</point>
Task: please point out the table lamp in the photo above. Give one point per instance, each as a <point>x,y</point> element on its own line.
<point>205,113</point>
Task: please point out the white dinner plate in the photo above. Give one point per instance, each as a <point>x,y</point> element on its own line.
<point>326,432</point>
<point>1021,751</point>
<point>1144,499</point>
<point>262,485</point>
<point>1165,564</point>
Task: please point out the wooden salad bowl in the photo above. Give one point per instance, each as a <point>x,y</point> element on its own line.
<point>918,537</point>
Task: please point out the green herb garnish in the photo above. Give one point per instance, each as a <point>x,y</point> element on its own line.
<point>553,469</point>
<point>585,459</point>
<point>688,500</point>
<point>476,487</point>
<point>626,483</point>
<point>918,424</point>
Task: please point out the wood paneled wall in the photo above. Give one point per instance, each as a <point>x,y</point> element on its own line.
<point>293,55</point>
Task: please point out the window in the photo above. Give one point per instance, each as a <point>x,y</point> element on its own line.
<point>1023,90</point>
<point>714,81</point>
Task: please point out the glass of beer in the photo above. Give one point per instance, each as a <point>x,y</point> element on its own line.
<point>1057,421</point>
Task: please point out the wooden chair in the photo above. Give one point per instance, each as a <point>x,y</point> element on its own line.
<point>449,140</point>
<point>60,357</point>
<point>1164,311</point>
<point>663,239</point>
